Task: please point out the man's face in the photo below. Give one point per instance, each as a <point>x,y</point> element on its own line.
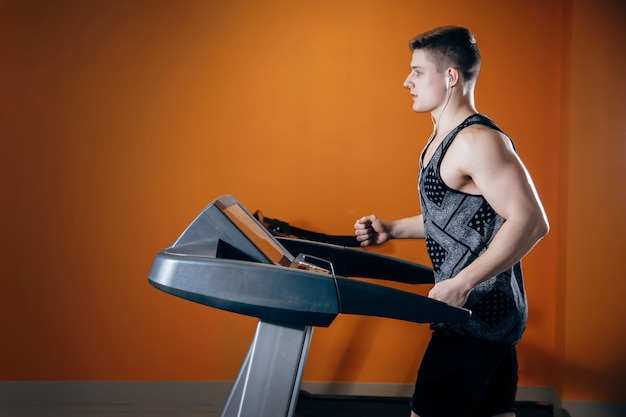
<point>425,83</point>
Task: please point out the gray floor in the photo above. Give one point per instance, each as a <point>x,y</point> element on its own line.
<point>165,411</point>
<point>192,399</point>
<point>111,410</point>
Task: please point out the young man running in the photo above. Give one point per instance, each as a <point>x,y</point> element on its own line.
<point>480,216</point>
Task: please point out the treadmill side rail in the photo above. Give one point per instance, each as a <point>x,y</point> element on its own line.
<point>350,262</point>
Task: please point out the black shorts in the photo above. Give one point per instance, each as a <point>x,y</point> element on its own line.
<point>463,376</point>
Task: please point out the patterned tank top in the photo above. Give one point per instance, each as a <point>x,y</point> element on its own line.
<point>458,228</point>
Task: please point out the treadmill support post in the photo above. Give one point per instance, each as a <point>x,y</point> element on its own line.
<point>269,378</point>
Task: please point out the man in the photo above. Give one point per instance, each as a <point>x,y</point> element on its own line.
<point>480,215</point>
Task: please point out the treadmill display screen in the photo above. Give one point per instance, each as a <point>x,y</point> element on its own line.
<point>257,234</point>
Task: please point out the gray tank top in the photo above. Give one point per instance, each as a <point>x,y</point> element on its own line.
<point>458,228</point>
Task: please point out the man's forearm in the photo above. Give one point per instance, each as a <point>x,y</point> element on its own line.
<point>407,228</point>
<point>512,242</point>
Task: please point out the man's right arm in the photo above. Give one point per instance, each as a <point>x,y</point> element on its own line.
<point>371,230</point>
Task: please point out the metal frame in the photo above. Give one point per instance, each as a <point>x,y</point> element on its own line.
<point>270,377</point>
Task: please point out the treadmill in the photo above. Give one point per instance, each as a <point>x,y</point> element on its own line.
<point>226,259</point>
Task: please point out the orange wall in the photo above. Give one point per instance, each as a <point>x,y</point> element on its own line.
<point>121,120</point>
<point>591,315</point>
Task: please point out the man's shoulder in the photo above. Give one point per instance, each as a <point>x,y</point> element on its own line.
<point>479,136</point>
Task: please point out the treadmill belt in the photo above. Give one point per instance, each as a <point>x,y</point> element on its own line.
<point>364,406</point>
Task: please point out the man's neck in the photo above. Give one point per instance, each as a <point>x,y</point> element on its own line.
<point>452,115</point>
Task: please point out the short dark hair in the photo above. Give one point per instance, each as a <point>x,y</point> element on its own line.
<point>451,46</point>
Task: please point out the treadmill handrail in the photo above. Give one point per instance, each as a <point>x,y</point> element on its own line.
<point>363,298</point>
<point>359,263</point>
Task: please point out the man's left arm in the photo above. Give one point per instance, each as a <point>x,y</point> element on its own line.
<point>499,175</point>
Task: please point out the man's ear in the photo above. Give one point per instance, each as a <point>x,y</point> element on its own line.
<point>452,77</point>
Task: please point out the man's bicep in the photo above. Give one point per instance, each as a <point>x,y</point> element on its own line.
<point>502,179</point>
